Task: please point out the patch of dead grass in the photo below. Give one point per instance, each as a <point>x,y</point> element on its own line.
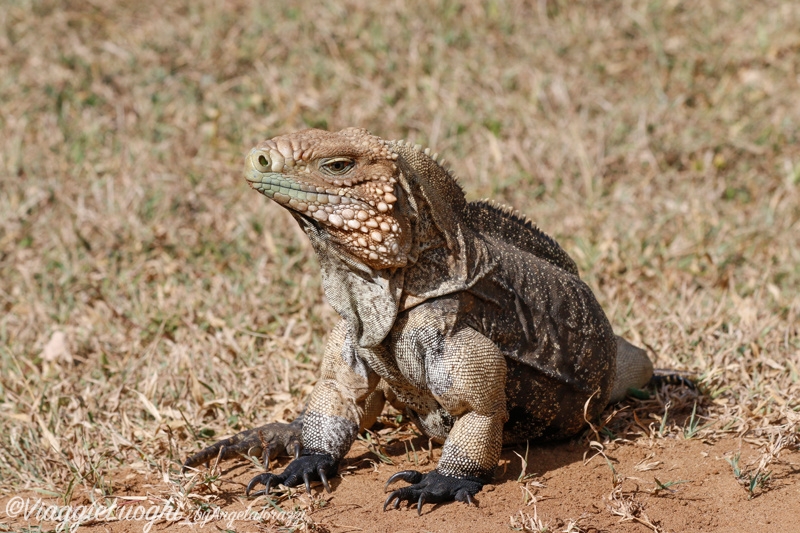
<point>151,303</point>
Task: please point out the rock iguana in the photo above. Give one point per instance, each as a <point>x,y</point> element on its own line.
<point>464,315</point>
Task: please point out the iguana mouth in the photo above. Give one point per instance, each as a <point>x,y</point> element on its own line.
<point>283,190</point>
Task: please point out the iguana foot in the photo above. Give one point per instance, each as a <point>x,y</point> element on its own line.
<point>305,469</point>
<point>281,438</point>
<point>432,487</point>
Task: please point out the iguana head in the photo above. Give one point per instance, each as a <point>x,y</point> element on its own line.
<point>341,182</point>
<point>384,217</point>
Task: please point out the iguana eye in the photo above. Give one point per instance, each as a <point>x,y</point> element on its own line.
<point>336,165</point>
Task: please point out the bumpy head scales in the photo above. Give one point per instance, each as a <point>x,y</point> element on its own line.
<point>343,181</point>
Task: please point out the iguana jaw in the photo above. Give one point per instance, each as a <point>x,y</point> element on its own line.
<point>355,208</point>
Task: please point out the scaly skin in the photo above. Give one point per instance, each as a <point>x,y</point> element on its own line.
<point>464,315</point>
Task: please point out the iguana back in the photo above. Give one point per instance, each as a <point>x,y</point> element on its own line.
<point>494,220</point>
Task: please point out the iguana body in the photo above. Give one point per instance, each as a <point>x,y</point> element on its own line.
<point>463,315</point>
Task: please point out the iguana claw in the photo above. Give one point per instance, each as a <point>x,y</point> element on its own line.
<point>305,469</point>
<point>432,487</point>
<point>266,478</point>
<point>324,479</point>
<point>409,476</point>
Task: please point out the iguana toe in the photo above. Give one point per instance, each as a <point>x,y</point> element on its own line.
<point>305,469</point>
<point>432,487</point>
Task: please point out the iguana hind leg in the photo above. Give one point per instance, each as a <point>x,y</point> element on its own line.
<point>281,438</point>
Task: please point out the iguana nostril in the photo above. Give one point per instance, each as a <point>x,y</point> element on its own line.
<point>262,162</point>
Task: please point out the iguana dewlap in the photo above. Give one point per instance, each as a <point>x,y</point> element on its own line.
<point>463,315</point>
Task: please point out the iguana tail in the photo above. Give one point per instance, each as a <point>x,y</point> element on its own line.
<point>672,377</point>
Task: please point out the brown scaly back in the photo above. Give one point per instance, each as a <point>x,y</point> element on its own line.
<point>489,218</point>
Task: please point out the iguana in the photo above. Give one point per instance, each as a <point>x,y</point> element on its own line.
<point>464,315</point>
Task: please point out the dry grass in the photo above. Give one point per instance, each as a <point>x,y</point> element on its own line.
<point>148,298</point>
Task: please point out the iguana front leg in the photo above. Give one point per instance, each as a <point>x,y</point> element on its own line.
<point>466,374</point>
<point>343,399</point>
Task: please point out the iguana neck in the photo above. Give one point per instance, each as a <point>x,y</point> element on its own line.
<point>444,256</point>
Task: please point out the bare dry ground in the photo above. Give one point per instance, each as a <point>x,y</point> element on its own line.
<point>151,303</point>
